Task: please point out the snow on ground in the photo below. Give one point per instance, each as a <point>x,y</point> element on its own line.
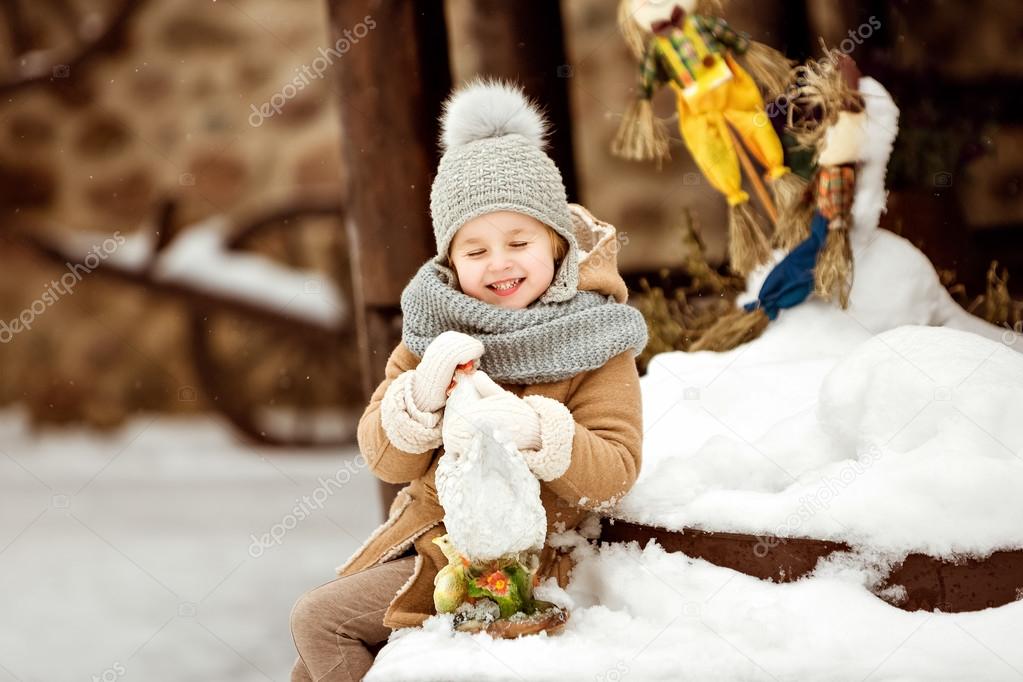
<point>648,615</point>
<point>908,440</point>
<point>141,555</point>
<point>134,555</point>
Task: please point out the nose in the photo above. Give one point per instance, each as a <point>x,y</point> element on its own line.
<point>500,261</point>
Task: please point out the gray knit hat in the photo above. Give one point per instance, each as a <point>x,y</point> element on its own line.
<point>493,141</point>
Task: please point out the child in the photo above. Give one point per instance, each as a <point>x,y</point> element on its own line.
<point>511,287</point>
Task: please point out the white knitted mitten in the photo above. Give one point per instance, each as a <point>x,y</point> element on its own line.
<point>508,416</point>
<point>551,459</point>
<point>542,428</point>
<point>407,427</point>
<point>434,373</point>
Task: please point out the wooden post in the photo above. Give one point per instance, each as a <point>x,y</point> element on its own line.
<point>523,42</point>
<point>390,82</point>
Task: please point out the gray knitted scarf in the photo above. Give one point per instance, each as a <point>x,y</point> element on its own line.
<point>541,343</point>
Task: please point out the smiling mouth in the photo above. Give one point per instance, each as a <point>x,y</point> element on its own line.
<point>506,287</point>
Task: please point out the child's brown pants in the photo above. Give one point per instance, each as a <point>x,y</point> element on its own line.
<point>336,624</point>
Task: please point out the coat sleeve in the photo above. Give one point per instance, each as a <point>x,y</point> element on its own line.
<point>604,418</point>
<point>386,460</point>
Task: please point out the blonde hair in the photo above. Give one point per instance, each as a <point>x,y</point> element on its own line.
<point>559,245</point>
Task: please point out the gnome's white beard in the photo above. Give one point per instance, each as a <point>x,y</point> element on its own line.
<point>491,499</point>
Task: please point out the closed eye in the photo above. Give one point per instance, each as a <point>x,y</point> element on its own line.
<point>477,252</point>
<point>519,244</point>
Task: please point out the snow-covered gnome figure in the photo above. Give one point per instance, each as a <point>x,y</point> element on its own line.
<point>720,109</point>
<point>495,520</point>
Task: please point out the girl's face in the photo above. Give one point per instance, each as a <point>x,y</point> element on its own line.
<point>503,258</point>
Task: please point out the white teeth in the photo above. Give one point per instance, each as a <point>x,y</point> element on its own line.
<point>507,285</point>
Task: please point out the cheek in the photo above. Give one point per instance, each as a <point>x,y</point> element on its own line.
<point>541,264</point>
<point>468,275</point>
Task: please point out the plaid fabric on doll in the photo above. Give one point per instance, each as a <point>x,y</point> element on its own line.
<point>836,186</point>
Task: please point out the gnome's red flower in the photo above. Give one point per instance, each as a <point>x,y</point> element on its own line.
<point>496,582</point>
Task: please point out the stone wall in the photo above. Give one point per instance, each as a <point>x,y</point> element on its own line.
<point>222,105</point>
<point>170,114</point>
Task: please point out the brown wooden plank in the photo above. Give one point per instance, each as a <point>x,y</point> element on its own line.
<point>765,557</point>
<point>967,584</point>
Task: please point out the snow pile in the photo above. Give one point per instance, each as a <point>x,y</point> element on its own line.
<point>908,443</point>
<point>649,615</point>
<point>913,385</point>
<point>899,442</point>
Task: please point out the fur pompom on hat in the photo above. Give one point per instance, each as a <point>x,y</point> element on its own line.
<point>493,139</point>
<point>490,109</point>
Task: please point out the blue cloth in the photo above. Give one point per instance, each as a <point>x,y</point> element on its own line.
<point>791,280</point>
